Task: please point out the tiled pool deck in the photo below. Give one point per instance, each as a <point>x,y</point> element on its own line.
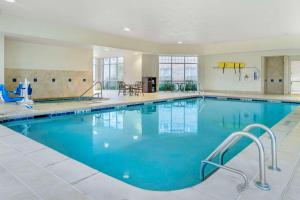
<point>29,170</point>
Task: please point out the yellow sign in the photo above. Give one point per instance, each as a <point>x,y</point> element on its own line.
<point>231,65</point>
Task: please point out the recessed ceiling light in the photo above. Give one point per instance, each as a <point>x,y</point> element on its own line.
<point>106,49</point>
<point>127,29</point>
<point>179,42</point>
<point>11,1</point>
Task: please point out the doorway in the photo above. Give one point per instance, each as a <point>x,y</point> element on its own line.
<point>274,75</point>
<point>295,77</point>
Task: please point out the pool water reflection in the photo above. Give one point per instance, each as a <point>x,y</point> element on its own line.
<point>155,146</point>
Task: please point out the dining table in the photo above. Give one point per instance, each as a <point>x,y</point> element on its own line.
<point>131,87</point>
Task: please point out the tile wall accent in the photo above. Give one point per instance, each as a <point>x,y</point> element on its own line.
<point>51,83</point>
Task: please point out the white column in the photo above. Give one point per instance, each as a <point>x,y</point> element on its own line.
<point>98,69</point>
<point>150,65</point>
<point>1,58</point>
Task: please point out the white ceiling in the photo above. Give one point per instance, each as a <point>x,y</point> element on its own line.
<point>169,21</point>
<point>102,52</point>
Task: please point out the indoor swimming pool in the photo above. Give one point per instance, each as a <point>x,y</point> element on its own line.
<point>156,146</point>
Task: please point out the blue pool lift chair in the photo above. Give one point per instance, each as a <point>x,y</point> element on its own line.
<point>18,89</point>
<point>5,95</point>
<point>29,90</point>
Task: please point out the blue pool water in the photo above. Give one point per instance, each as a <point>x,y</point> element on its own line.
<point>154,146</point>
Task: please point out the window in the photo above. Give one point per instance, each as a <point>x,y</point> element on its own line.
<point>112,72</point>
<point>176,119</point>
<point>178,68</point>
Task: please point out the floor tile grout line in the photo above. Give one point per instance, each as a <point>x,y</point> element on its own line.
<point>21,181</point>
<point>288,185</point>
<point>269,158</point>
<point>15,147</point>
<point>37,150</point>
<point>58,177</point>
<point>57,162</point>
<point>2,136</point>
<point>10,146</point>
<point>82,179</point>
<point>43,168</point>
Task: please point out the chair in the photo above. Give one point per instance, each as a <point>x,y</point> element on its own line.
<point>122,87</point>
<point>5,95</point>
<point>138,88</point>
<point>18,89</point>
<point>29,90</point>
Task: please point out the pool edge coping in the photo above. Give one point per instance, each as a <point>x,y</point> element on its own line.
<point>112,105</point>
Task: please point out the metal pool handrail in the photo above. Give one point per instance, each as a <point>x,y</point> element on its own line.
<point>262,183</point>
<point>273,145</point>
<point>91,87</point>
<point>239,172</point>
<point>200,89</point>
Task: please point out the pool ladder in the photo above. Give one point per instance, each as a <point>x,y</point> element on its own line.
<point>201,90</point>
<point>99,94</point>
<point>232,140</point>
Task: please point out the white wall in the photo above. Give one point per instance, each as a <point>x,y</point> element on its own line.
<point>135,66</point>
<point>26,55</point>
<point>42,56</point>
<point>214,79</point>
<point>1,58</point>
<point>150,65</point>
<point>132,69</point>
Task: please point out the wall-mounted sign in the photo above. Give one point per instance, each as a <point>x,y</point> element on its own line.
<point>231,65</point>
